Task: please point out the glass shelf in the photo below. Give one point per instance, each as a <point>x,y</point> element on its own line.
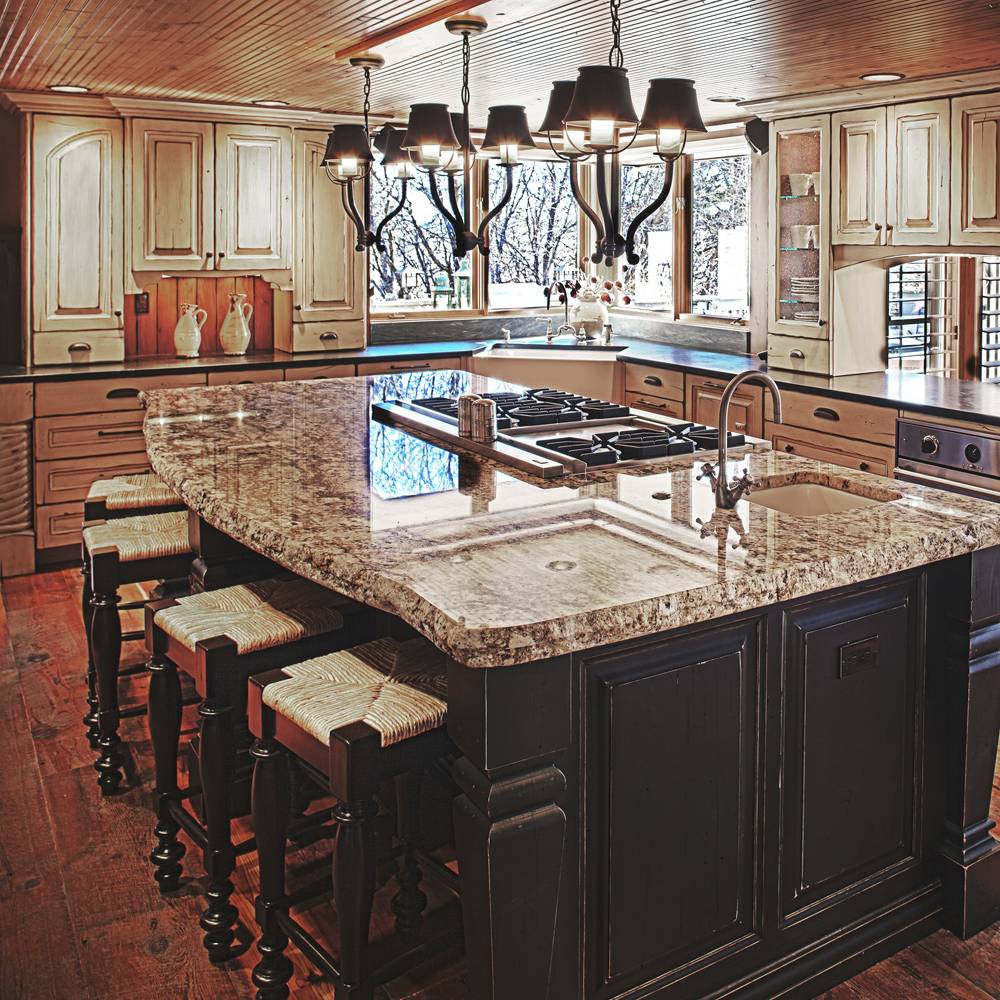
<point>800,302</point>
<point>799,197</point>
<point>799,249</point>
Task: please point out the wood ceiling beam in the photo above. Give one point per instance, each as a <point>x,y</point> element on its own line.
<point>434,16</point>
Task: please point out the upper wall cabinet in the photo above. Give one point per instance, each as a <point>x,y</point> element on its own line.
<point>859,161</point>
<point>975,169</point>
<point>77,279</point>
<point>918,173</point>
<point>329,274</point>
<point>253,197</point>
<point>173,196</point>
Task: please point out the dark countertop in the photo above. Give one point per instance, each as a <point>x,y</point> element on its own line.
<point>220,363</point>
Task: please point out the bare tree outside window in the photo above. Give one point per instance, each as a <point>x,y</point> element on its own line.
<point>417,272</point>
<point>652,287</point>
<point>533,241</point>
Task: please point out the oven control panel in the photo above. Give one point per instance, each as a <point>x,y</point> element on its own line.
<point>948,447</point>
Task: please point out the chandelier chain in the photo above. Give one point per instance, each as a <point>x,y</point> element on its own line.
<point>368,94</point>
<point>616,57</point>
<point>466,58</point>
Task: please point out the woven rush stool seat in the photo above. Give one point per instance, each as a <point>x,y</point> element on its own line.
<point>356,719</point>
<point>219,638</point>
<point>128,495</point>
<point>117,552</point>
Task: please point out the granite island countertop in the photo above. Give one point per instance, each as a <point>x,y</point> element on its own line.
<point>498,568</point>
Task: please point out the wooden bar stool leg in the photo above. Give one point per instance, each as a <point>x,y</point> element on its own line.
<point>106,639</point>
<point>165,731</point>
<point>271,806</point>
<point>353,891</point>
<point>409,902</point>
<point>218,766</point>
<point>90,719</point>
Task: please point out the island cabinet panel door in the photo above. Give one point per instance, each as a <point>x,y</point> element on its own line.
<point>77,209</point>
<point>253,191</point>
<point>675,772</point>
<point>173,188</point>
<point>851,794</point>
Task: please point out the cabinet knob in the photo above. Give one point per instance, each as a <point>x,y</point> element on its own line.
<point>864,466</point>
<point>221,255</point>
<point>789,448</point>
<point>208,255</point>
<point>878,227</point>
<point>297,308</point>
<point>118,313</point>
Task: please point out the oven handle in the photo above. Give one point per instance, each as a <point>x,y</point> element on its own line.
<point>948,485</point>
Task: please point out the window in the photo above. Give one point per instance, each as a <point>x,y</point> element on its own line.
<point>652,284</point>
<point>417,272</point>
<point>533,241</point>
<point>720,216</point>
<point>921,317</point>
<point>989,320</point>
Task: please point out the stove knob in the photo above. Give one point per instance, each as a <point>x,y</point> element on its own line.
<point>930,445</point>
<point>973,453</point>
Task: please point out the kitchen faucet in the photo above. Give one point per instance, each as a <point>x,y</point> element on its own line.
<point>728,495</point>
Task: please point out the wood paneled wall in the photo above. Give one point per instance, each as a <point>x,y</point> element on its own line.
<point>152,334</point>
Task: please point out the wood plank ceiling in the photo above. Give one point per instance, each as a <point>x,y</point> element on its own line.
<point>242,50</point>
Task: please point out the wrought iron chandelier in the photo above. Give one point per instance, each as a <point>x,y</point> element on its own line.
<point>594,117</point>
<point>348,158</point>
<point>440,142</point>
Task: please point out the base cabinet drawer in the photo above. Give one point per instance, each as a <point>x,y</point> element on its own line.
<point>75,436</point>
<point>103,394</point>
<point>428,364</point>
<point>70,479</point>
<point>654,404</point>
<point>843,418</point>
<point>79,347</point>
<point>746,410</point>
<point>58,524</point>
<point>863,456</point>
<point>245,377</point>
<point>798,354</point>
<point>650,381</point>
<point>319,371</point>
<point>343,336</point>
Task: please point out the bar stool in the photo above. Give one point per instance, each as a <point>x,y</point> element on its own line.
<point>355,718</point>
<point>107,499</point>
<point>119,552</point>
<point>219,638</point>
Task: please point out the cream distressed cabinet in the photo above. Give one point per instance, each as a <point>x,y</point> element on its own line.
<point>210,197</point>
<point>918,174</point>
<point>975,170</point>
<point>328,302</point>
<point>77,246</point>
<point>858,165</point>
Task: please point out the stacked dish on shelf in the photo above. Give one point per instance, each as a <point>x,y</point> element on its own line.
<point>806,290</point>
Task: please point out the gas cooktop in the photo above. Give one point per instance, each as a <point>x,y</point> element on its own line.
<point>550,432</point>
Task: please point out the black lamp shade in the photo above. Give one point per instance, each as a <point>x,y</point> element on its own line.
<point>671,103</point>
<point>348,142</point>
<point>458,127</point>
<point>560,99</point>
<point>429,125</point>
<point>389,142</point>
<point>507,125</point>
<point>601,94</point>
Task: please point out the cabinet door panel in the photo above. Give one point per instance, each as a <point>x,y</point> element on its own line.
<point>859,176</point>
<point>746,409</point>
<point>918,174</point>
<point>975,166</point>
<point>253,178</point>
<point>329,272</point>
<point>172,195</point>
<point>77,277</point>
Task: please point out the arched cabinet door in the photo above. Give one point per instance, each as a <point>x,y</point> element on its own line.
<point>77,235</point>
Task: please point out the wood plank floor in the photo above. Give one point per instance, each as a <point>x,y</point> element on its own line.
<point>80,915</point>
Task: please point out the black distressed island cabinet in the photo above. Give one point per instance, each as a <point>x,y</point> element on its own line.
<point>757,806</point>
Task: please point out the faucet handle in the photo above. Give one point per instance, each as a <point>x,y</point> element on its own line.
<point>708,471</point>
<point>745,484</point>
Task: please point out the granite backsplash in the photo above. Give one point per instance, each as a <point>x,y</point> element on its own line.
<point>727,340</point>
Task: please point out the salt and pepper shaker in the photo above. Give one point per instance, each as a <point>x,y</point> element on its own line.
<point>484,421</point>
<point>465,402</point>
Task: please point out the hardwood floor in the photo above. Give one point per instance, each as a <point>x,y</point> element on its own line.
<point>81,917</point>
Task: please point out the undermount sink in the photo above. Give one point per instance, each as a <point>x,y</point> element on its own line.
<point>810,499</point>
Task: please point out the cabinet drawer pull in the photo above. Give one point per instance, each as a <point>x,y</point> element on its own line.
<point>800,355</point>
<point>651,404</point>
<point>80,345</point>
<point>826,413</point>
<point>407,368</point>
<point>128,432</point>
<point>789,448</point>
<point>329,335</point>
<point>652,380</point>
<point>122,394</point>
<point>864,466</point>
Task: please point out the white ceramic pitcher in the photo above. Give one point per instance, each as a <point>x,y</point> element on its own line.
<point>234,334</point>
<point>187,333</point>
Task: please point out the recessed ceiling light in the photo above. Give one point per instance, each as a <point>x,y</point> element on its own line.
<point>271,104</point>
<point>69,88</point>
<point>726,100</point>
<point>881,77</point>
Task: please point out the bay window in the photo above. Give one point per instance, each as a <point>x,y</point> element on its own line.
<point>651,286</point>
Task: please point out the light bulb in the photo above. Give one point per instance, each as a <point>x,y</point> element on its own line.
<point>430,154</point>
<point>348,166</point>
<point>670,141</point>
<point>508,153</point>
<point>602,133</point>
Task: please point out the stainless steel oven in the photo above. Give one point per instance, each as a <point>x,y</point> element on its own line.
<point>948,458</point>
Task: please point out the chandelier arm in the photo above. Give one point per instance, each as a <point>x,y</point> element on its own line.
<point>616,203</point>
<point>607,244</point>
<point>359,223</point>
<point>653,206</point>
<point>454,221</point>
<point>483,235</point>
<point>392,215</point>
<point>595,219</point>
<point>453,198</point>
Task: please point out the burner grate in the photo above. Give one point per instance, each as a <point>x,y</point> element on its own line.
<point>505,400</point>
<point>534,413</point>
<point>707,438</point>
<point>591,452</point>
<point>556,396</point>
<point>597,409</point>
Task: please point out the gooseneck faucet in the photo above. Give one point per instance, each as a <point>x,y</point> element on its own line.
<point>728,495</point>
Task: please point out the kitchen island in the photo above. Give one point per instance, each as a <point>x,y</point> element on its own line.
<point>702,752</point>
